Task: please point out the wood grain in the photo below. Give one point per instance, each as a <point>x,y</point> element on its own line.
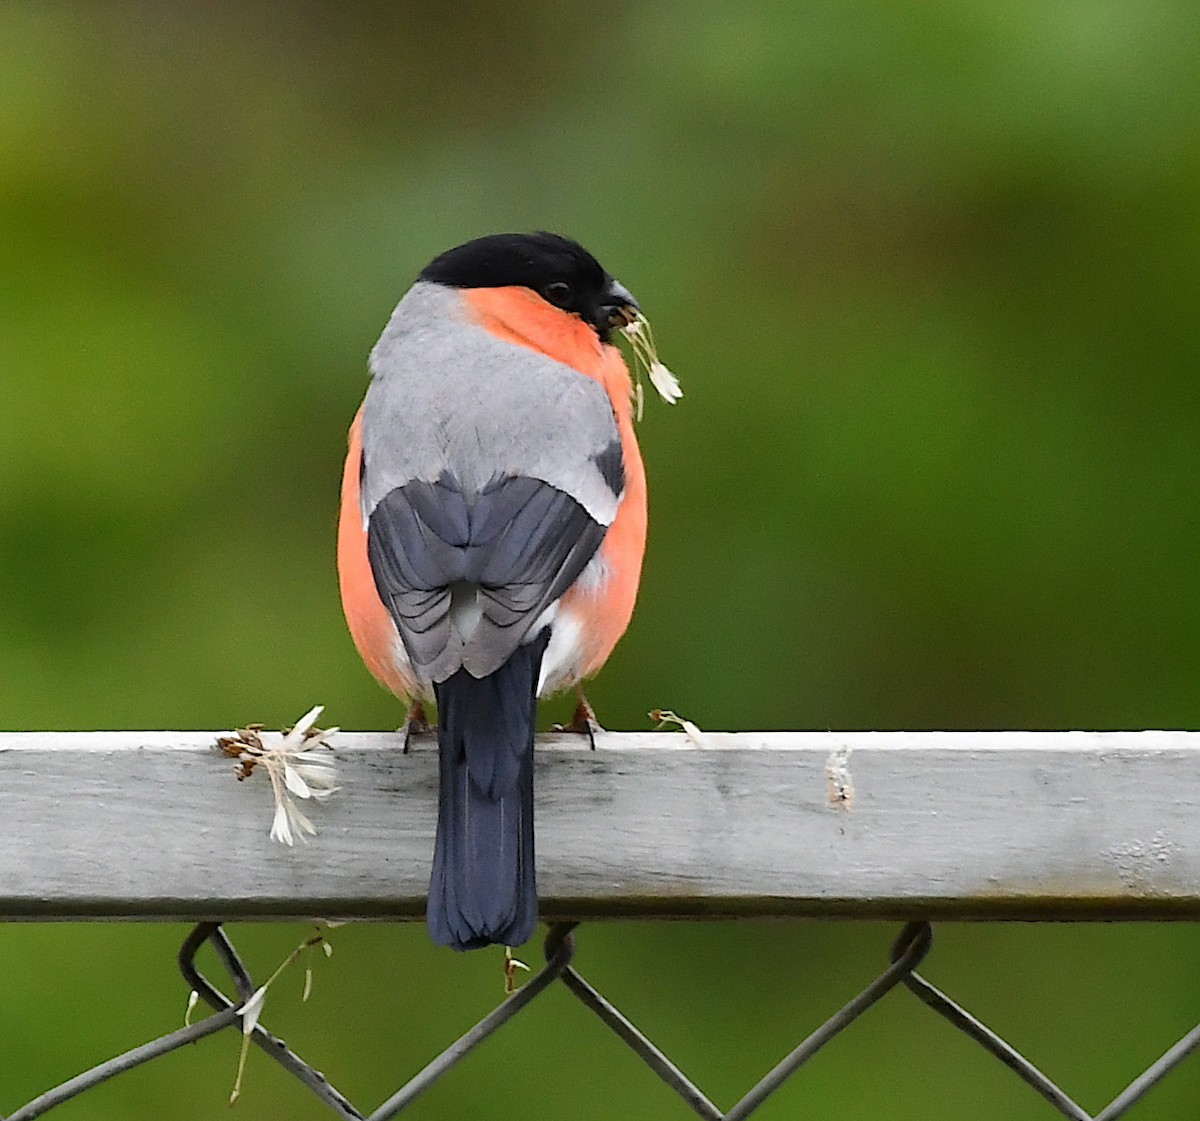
<point>154,825</point>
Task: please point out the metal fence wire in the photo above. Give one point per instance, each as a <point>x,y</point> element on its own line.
<point>908,951</point>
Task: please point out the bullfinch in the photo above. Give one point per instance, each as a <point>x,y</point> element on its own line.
<point>490,543</point>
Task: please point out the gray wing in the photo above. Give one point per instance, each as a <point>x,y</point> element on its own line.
<point>465,577</point>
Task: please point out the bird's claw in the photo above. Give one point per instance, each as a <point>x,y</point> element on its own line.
<point>583,722</point>
<point>416,723</point>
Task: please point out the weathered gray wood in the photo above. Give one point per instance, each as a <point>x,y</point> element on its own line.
<point>867,824</point>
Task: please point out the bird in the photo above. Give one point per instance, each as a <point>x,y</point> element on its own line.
<point>491,537</point>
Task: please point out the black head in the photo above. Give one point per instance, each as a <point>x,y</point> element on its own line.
<point>558,269</point>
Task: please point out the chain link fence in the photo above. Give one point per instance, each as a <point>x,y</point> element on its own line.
<point>912,948</point>
<point>859,826</point>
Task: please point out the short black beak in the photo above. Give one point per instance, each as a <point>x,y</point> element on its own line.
<point>618,308</point>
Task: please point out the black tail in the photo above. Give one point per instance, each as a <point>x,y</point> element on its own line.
<point>483,889</point>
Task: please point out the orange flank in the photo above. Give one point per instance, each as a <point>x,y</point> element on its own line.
<point>371,626</point>
<point>521,316</point>
<point>604,610</point>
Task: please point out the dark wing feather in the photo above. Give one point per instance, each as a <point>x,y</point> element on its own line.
<point>515,547</point>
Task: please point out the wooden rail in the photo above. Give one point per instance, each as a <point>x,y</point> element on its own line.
<point>982,825</point>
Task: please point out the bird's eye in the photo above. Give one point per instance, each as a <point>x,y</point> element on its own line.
<point>558,293</point>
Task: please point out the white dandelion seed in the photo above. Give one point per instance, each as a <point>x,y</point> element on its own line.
<point>665,382</point>
<point>252,1010</point>
<point>296,768</point>
<point>645,357</point>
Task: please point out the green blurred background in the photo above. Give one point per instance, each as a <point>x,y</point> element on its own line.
<point>930,276</point>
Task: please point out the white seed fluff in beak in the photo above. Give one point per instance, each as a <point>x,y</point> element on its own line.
<point>645,356</point>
